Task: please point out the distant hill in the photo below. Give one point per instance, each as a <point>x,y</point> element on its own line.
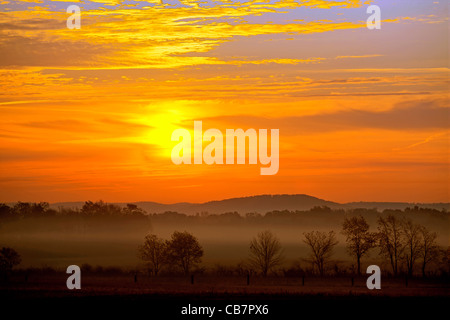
<point>397,205</point>
<point>262,204</point>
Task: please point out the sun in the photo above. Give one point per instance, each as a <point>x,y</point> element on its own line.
<point>162,123</point>
<point>163,117</point>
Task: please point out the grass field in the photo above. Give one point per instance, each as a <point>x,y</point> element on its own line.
<point>119,295</point>
<point>54,284</point>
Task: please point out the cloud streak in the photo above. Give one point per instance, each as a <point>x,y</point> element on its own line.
<point>413,115</point>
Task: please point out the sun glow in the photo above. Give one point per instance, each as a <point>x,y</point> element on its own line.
<point>161,126</point>
<point>89,113</point>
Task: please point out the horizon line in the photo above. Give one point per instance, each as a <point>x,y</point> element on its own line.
<point>232,198</point>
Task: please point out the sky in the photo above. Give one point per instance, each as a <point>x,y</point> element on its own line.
<point>87,114</point>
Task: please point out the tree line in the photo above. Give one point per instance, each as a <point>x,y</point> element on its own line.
<point>399,241</point>
<point>90,209</point>
<point>21,210</point>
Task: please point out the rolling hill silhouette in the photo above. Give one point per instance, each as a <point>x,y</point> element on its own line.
<point>262,204</point>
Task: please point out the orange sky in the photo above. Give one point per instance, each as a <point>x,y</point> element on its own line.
<point>88,114</point>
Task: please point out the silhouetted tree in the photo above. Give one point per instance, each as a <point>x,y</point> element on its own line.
<point>184,250</point>
<point>321,245</point>
<point>5,211</point>
<point>413,243</point>
<point>390,240</point>
<point>321,209</point>
<point>100,208</point>
<point>22,209</point>
<point>359,239</point>
<point>39,209</point>
<point>446,259</point>
<point>154,251</point>
<point>253,215</point>
<point>133,210</point>
<point>429,250</point>
<point>9,258</point>
<point>265,252</point>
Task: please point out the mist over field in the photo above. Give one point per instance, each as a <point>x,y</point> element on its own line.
<point>111,236</point>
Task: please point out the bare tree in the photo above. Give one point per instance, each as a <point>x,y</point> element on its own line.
<point>154,250</point>
<point>390,238</point>
<point>265,252</point>
<point>359,239</point>
<point>184,250</point>
<point>413,243</point>
<point>321,244</point>
<point>9,258</point>
<point>446,259</point>
<point>429,248</point>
